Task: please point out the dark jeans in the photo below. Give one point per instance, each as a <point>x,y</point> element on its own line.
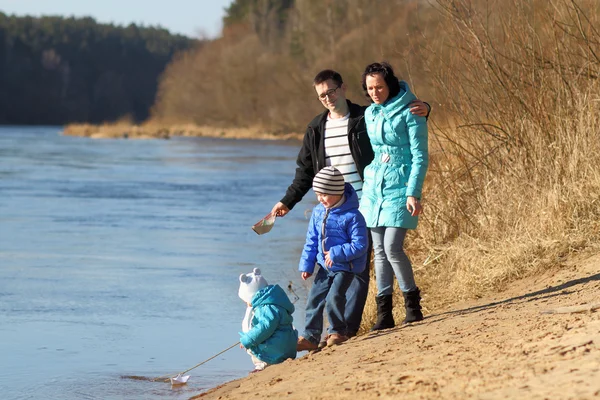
<point>356,296</point>
<point>328,291</point>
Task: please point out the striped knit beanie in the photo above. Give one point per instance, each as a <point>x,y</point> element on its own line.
<point>329,181</point>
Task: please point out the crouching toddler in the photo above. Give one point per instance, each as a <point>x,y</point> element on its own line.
<point>267,331</point>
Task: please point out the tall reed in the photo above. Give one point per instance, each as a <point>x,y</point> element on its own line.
<point>514,185</point>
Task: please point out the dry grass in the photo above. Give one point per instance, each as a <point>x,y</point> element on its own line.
<point>514,183</point>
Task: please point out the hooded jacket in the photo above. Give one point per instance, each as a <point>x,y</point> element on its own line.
<point>344,235</point>
<point>311,157</point>
<point>272,337</point>
<point>399,141</point>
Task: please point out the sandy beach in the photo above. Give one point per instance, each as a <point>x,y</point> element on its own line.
<point>538,340</point>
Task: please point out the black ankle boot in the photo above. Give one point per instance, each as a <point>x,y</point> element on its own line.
<point>385,319</point>
<point>412,304</point>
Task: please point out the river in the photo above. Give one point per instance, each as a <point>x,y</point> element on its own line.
<point>122,257</point>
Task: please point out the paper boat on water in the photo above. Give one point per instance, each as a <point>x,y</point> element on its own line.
<point>264,225</point>
<point>179,380</point>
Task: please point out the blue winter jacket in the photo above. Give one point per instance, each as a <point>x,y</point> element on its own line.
<point>272,338</point>
<point>399,141</point>
<point>345,237</point>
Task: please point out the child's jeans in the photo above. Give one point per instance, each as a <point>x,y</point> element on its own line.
<point>357,293</point>
<point>328,291</point>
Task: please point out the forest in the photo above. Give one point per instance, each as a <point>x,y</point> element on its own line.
<point>259,72</point>
<point>56,70</point>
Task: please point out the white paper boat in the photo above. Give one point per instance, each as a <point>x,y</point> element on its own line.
<point>264,225</point>
<point>179,380</point>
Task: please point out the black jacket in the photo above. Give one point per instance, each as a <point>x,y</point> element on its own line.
<point>311,157</point>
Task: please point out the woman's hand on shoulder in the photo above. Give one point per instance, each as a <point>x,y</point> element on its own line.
<point>413,205</point>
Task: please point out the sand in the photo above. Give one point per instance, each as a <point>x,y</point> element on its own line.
<point>156,130</point>
<point>538,340</point>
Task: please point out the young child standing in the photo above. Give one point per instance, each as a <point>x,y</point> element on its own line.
<point>267,331</point>
<point>337,241</point>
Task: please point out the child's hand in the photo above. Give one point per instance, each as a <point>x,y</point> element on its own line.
<point>306,275</point>
<point>328,261</point>
<point>241,346</point>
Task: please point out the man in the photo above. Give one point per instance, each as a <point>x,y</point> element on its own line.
<point>337,137</point>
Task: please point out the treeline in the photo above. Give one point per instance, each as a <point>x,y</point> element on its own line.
<point>259,72</point>
<point>57,70</point>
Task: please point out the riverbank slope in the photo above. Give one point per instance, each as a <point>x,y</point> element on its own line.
<point>540,339</point>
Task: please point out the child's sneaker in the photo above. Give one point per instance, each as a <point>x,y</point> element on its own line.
<point>336,338</point>
<point>305,344</point>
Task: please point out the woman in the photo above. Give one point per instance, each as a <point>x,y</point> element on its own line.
<point>392,186</point>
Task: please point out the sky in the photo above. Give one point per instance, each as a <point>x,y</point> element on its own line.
<point>194,18</point>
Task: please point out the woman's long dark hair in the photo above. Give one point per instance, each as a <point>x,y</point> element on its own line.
<point>387,72</point>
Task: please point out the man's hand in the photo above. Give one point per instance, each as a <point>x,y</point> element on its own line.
<point>280,210</point>
<point>413,205</point>
<point>306,275</point>
<point>419,108</point>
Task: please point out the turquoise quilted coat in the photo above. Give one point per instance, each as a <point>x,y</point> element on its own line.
<point>399,141</point>
<point>272,338</point>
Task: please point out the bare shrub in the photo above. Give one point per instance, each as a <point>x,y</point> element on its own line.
<point>514,182</point>
<point>239,80</point>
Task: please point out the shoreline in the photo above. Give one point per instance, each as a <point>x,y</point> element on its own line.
<point>531,341</point>
<point>163,131</point>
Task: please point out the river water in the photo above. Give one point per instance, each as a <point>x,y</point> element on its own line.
<point>122,258</point>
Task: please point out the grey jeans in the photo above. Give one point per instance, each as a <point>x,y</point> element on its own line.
<point>389,260</point>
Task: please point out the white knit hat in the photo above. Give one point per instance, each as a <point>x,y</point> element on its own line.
<point>329,180</point>
<point>250,284</point>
